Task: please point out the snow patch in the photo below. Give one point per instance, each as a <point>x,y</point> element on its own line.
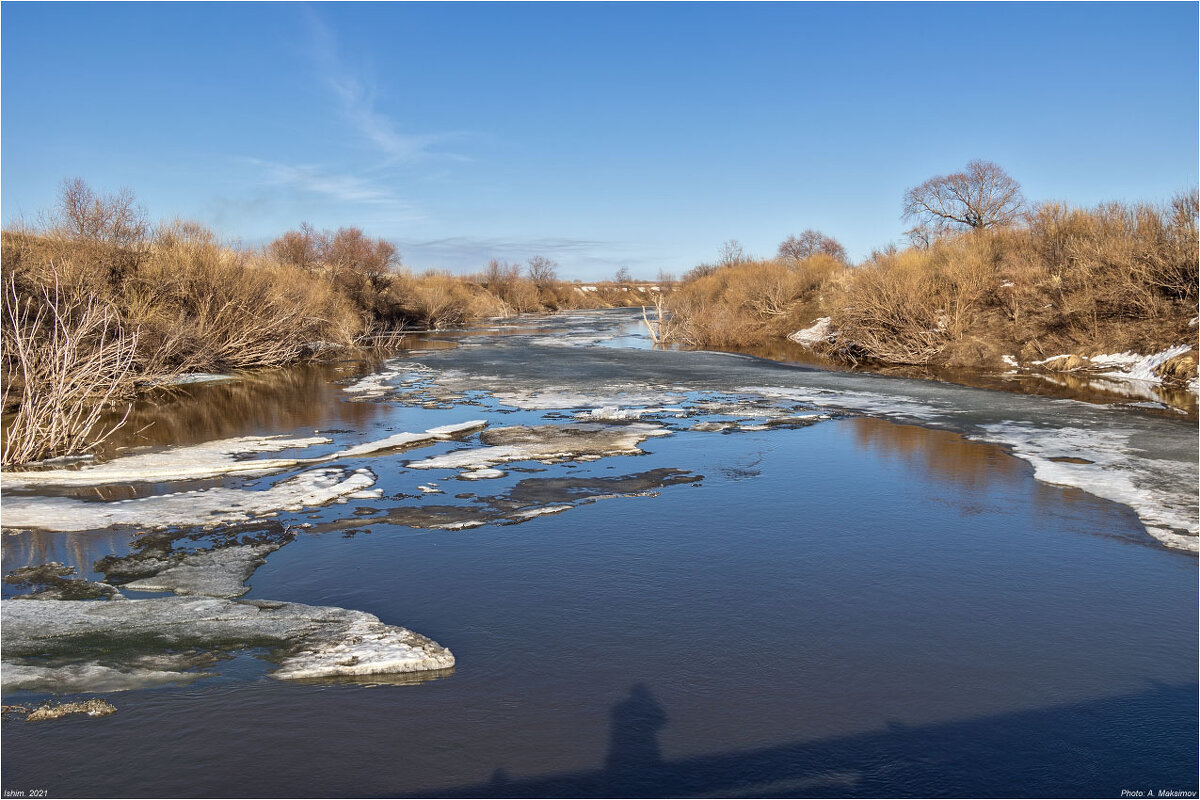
<point>817,332</point>
<point>190,462</point>
<point>201,507</point>
<point>1133,367</point>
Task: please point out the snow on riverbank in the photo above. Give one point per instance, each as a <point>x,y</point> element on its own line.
<point>1115,472</point>
<point>1140,370</point>
<point>819,331</point>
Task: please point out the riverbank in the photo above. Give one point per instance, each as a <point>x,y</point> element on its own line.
<point>99,305</point>
<point>1067,290</point>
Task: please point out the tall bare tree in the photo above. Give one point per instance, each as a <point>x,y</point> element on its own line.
<point>542,271</point>
<point>731,254</point>
<point>114,219</point>
<point>809,244</point>
<point>983,196</point>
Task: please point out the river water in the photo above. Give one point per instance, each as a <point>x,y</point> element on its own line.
<point>801,583</point>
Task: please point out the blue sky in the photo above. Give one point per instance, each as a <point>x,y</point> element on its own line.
<point>600,135</point>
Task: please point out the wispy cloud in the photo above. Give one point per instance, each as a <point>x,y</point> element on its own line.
<point>357,102</point>
<point>315,180</point>
<point>320,194</point>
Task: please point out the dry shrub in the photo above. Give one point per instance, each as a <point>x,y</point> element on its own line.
<point>1113,278</point>
<point>747,302</point>
<point>435,300</point>
<point>180,301</point>
<point>888,310</point>
<point>66,357</point>
<point>207,307</point>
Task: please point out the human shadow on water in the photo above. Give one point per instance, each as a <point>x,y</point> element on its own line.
<point>633,751</point>
<point>1091,749</point>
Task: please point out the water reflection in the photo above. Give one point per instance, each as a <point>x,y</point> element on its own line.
<point>78,550</point>
<point>257,403</point>
<point>937,454</point>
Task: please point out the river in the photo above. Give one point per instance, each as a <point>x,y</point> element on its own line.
<point>660,573</point>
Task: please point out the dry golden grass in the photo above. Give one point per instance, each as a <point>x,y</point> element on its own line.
<point>749,302</point>
<point>1109,279</point>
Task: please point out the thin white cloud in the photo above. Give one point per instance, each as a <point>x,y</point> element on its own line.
<point>314,180</point>
<point>376,203</point>
<point>357,103</point>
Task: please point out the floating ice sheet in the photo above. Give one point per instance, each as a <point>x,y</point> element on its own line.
<point>202,507</point>
<point>99,644</point>
<point>205,460</point>
<point>222,457</point>
<point>546,442</point>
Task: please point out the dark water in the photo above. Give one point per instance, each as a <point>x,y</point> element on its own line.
<point>863,607</point>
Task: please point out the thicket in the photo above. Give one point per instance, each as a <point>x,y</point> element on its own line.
<point>98,303</point>
<point>1057,280</point>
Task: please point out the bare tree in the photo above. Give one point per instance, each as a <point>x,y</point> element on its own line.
<point>351,250</point>
<point>666,277</point>
<point>301,248</point>
<point>809,244</point>
<point>984,196</point>
<point>542,271</point>
<point>499,276</point>
<point>731,253</point>
<point>623,275</point>
<point>921,236</point>
<point>113,219</point>
<point>345,252</point>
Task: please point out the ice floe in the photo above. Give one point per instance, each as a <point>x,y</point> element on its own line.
<point>487,473</point>
<point>95,643</point>
<point>213,573</point>
<point>201,507</point>
<point>223,457</point>
<point>530,513</point>
<point>377,384</point>
<point>867,402</point>
<point>90,677</point>
<point>220,457</point>
<point>546,443</point>
<point>528,499</point>
<point>614,397</point>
